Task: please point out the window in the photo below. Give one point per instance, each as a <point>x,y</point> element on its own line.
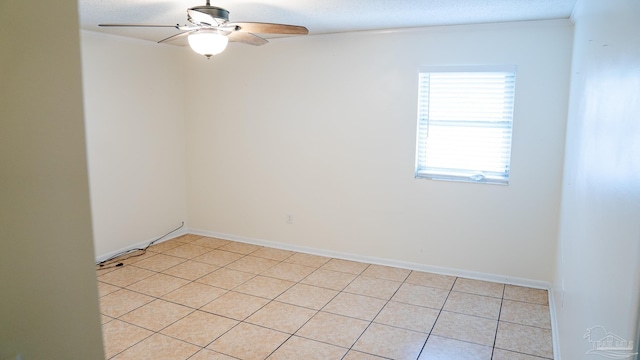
<point>465,118</point>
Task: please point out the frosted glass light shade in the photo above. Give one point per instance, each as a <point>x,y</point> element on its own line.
<point>207,43</point>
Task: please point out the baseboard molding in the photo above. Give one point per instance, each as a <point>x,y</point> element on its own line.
<point>554,323</point>
<point>141,244</point>
<point>381,261</point>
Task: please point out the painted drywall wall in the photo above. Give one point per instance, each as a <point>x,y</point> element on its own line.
<point>599,242</point>
<point>323,128</point>
<point>48,291</point>
<point>134,106</point>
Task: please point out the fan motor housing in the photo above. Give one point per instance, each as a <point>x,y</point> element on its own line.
<point>217,13</point>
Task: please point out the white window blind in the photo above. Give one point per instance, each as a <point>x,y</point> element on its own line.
<point>464,124</point>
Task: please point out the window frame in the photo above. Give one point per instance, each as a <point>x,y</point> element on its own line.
<point>423,123</point>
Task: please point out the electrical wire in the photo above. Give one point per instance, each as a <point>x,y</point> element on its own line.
<point>116,261</point>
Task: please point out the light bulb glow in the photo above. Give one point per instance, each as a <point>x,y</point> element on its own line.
<point>207,42</point>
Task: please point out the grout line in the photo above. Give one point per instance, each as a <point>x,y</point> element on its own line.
<point>134,344</point>
<point>437,317</point>
<point>495,337</point>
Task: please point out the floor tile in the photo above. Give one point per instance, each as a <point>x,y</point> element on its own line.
<point>333,329</point>
<point>187,251</point>
<point>465,328</point>
<point>199,328</point>
<point>263,342</point>
<point>282,317</point>
<point>525,314</point>
<point>159,347</point>
<point>165,245</point>
<point>194,295</point>
<point>431,280</point>
<point>471,304</point>
<point>159,262</point>
<point>106,289</point>
<point>356,306</point>
<point>308,296</point>
<point>524,339</point>
<point>218,257</point>
<point>298,348</point>
<point>105,269</point>
<point>188,238</point>
<point>288,271</point>
<point>378,288</point>
<point>206,354</point>
<point>334,280</point>
<point>421,296</point>
<point>252,264</point>
<point>134,257</point>
<point>156,315</point>
<point>209,298</point>
<point>158,285</point>
<point>225,278</point>
<point>240,248</point>
<point>519,293</point>
<point>407,316</point>
<point>105,319</point>
<point>438,348</point>
<point>210,242</point>
<point>121,302</point>
<point>357,355</point>
<point>499,354</point>
<point>479,287</point>
<point>346,266</point>
<point>125,276</point>
<point>307,260</point>
<point>190,270</point>
<point>386,272</point>
<point>272,253</point>
<point>118,336</point>
<point>265,287</point>
<point>391,342</point>
<point>235,305</point>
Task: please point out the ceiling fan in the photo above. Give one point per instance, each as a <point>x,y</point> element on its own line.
<point>210,30</point>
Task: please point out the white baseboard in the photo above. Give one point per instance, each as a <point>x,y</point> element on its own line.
<point>382,261</point>
<point>141,244</point>
<point>554,323</point>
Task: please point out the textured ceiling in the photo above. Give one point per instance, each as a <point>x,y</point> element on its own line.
<point>319,16</point>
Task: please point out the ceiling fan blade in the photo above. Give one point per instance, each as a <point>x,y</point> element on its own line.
<point>188,28</point>
<point>246,38</point>
<point>269,28</point>
<point>139,25</point>
<point>174,37</point>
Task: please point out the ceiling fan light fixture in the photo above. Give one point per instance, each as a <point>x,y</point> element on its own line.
<point>207,43</point>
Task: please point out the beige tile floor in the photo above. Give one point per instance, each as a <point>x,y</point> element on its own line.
<point>200,298</point>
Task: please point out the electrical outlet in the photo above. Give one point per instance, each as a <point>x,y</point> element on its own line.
<point>289,219</point>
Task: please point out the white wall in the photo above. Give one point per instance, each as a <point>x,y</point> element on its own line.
<point>134,106</point>
<point>323,128</point>
<point>599,242</point>
<point>48,291</point>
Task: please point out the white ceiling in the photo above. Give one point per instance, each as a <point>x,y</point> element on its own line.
<point>319,16</point>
